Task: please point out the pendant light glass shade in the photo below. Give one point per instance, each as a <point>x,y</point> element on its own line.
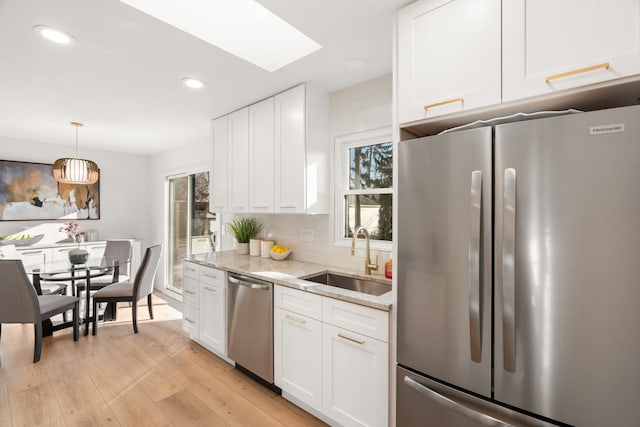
<point>72,170</point>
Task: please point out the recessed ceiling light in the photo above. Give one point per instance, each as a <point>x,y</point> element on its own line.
<point>193,83</point>
<point>243,28</point>
<point>54,34</point>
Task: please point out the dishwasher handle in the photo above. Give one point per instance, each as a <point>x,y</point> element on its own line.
<point>249,282</point>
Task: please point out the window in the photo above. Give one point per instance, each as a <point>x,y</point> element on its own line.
<point>364,185</point>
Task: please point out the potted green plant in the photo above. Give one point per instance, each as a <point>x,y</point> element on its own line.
<point>243,229</point>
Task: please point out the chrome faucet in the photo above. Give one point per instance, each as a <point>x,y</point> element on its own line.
<point>367,257</point>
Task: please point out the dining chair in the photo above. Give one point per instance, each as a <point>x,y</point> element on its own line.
<point>132,291</point>
<point>9,252</point>
<point>19,303</point>
<point>115,250</point>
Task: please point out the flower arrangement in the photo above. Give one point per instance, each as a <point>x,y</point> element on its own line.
<point>73,231</point>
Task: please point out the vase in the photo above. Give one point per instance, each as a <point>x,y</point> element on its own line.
<point>265,248</point>
<point>78,256</point>
<point>242,249</point>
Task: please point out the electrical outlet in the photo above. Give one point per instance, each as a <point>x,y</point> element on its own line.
<point>306,235</point>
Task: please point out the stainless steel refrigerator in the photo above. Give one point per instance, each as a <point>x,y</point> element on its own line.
<point>519,274</point>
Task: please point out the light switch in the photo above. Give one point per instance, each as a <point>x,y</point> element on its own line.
<point>306,235</point>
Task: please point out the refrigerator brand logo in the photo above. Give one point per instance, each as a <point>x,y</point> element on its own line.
<point>599,130</point>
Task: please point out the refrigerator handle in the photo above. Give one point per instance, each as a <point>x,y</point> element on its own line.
<point>480,417</point>
<point>509,270</point>
<point>475,327</point>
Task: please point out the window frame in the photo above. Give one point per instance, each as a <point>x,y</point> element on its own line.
<point>342,145</point>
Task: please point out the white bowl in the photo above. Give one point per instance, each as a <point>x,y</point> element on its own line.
<point>279,257</point>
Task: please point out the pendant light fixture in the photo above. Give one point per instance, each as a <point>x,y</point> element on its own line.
<point>72,170</point>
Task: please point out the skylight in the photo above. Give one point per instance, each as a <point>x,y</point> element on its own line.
<point>243,28</point>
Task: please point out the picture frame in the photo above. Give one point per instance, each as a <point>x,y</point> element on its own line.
<point>29,192</point>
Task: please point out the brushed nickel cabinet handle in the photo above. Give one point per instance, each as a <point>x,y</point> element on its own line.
<point>210,289</point>
<point>189,292</point>
<point>357,341</point>
<point>448,101</point>
<point>288,206</point>
<point>604,65</point>
<point>189,320</point>
<point>209,276</point>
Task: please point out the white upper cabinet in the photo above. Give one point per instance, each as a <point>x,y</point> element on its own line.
<point>238,165</point>
<point>272,157</point>
<point>448,57</point>
<point>261,156</point>
<point>301,151</point>
<point>219,179</point>
<point>550,45</point>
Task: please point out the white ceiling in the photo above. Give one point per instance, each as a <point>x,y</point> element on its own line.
<point>122,76</point>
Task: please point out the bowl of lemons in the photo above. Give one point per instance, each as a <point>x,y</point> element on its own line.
<point>279,252</point>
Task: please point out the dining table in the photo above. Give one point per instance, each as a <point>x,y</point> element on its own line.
<point>74,275</point>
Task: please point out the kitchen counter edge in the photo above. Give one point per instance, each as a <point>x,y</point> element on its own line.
<point>291,273</point>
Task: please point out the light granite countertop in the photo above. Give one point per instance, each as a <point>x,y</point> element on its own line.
<point>291,273</point>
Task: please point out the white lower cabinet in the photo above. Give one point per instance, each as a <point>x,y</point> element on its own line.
<point>298,356</point>
<point>204,307</point>
<point>355,378</point>
<point>332,356</point>
<point>213,310</point>
<point>190,299</point>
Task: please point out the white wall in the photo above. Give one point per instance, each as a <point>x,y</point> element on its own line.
<point>190,158</point>
<point>124,185</point>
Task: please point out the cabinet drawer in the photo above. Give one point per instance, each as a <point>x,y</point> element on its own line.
<point>190,292</point>
<point>297,301</point>
<point>212,276</point>
<point>357,318</point>
<point>190,321</point>
<point>191,269</point>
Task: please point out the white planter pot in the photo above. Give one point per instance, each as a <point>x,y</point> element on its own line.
<point>254,247</point>
<point>242,249</point>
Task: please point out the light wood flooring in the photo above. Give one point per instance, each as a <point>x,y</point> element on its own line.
<point>157,377</point>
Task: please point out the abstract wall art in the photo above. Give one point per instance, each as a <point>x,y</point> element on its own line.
<point>28,191</point>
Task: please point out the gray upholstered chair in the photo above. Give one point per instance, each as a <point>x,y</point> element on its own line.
<point>19,303</point>
<point>115,250</point>
<point>130,291</point>
<point>9,252</point>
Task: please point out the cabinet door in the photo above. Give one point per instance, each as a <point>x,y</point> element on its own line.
<point>212,318</point>
<point>61,255</point>
<point>297,355</point>
<point>238,145</point>
<point>290,158</point>
<point>355,378</point>
<point>261,156</point>
<point>549,45</point>
<point>448,57</point>
<point>220,165</point>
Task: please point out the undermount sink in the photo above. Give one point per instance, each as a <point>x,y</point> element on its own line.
<point>364,286</point>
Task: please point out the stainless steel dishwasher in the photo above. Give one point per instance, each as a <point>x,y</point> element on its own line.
<point>250,324</point>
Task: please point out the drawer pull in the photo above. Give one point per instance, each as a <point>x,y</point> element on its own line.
<point>604,65</point>
<point>260,207</point>
<point>238,207</point>
<point>189,320</point>
<point>449,101</point>
<point>190,269</point>
<point>295,319</point>
<point>65,250</point>
<point>189,292</point>
<point>288,206</point>
<point>31,252</point>
<point>210,289</point>
<point>209,276</point>
<point>361,342</point>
